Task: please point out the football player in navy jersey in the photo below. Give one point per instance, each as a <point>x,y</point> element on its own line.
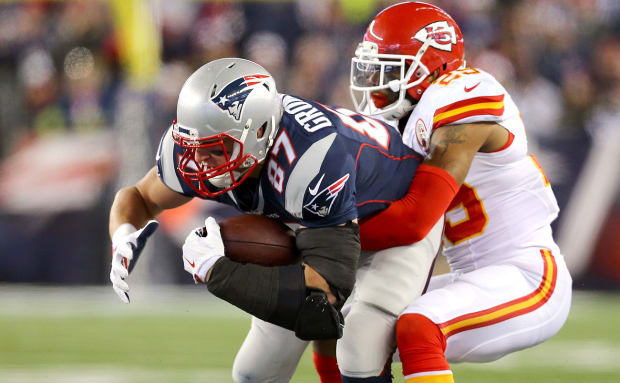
<point>237,141</point>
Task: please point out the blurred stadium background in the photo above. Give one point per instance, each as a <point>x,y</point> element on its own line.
<point>87,88</point>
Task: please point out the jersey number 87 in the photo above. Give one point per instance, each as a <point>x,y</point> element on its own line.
<point>365,126</point>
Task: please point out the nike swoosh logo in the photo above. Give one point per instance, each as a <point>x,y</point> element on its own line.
<point>315,189</point>
<point>192,264</point>
<point>472,88</point>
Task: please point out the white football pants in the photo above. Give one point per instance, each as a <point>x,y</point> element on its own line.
<point>386,282</point>
<point>499,309</point>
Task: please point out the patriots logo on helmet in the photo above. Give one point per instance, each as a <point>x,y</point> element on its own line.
<point>441,35</point>
<point>322,203</point>
<point>232,97</point>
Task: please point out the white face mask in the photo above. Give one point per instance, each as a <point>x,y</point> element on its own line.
<point>372,71</point>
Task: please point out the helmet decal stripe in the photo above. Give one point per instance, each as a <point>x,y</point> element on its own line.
<point>372,32</point>
<point>254,79</point>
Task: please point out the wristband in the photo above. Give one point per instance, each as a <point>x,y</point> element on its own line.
<point>122,231</point>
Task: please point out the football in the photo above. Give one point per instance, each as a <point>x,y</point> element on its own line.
<point>250,238</point>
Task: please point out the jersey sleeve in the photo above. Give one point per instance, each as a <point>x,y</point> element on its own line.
<point>321,188</point>
<point>330,198</point>
<point>459,97</point>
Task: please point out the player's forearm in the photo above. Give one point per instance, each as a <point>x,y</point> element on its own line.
<point>129,207</point>
<point>432,189</point>
<point>457,168</point>
<point>452,150</point>
<point>411,218</point>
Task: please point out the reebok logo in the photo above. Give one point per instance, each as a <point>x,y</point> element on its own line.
<point>472,88</point>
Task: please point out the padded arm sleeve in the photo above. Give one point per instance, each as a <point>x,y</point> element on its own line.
<point>409,219</point>
<point>333,252</point>
<point>273,294</point>
<point>279,295</point>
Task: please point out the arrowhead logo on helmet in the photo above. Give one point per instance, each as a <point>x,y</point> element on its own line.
<point>441,35</point>
<point>232,97</point>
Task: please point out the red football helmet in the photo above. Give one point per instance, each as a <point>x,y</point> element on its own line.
<point>403,45</point>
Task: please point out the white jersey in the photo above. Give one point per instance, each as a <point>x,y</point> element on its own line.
<point>505,203</point>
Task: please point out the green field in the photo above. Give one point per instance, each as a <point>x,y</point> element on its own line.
<point>185,335</point>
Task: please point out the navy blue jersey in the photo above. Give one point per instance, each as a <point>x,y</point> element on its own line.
<point>326,166</point>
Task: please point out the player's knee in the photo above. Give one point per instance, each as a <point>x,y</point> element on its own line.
<point>368,341</point>
<point>239,376</point>
<point>260,373</point>
<point>242,374</point>
<point>247,369</point>
<point>416,335</point>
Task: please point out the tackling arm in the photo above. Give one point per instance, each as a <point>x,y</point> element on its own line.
<point>433,187</point>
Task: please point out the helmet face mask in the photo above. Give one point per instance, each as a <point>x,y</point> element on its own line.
<point>405,46</point>
<point>232,171</point>
<point>373,72</point>
<point>228,112</point>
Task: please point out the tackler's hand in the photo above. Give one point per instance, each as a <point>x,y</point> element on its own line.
<point>127,244</point>
<point>202,248</point>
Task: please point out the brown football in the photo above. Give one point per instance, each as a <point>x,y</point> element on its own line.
<point>250,238</point>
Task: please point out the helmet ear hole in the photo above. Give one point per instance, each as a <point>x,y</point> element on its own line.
<point>261,131</point>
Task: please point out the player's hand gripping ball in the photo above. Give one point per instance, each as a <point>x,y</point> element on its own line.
<point>202,248</point>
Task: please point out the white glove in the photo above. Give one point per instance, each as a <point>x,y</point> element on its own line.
<point>127,244</point>
<point>201,250</point>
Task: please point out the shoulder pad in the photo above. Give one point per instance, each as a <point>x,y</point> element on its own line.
<point>311,116</point>
<point>305,170</point>
<point>461,96</point>
<point>166,162</point>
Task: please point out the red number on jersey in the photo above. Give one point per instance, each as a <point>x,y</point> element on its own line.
<point>465,217</point>
<point>275,174</point>
<point>283,141</point>
<point>455,74</point>
<point>369,127</point>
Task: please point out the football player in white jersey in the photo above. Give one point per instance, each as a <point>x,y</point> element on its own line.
<point>509,287</point>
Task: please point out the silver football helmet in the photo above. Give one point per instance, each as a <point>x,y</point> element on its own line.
<point>226,101</point>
